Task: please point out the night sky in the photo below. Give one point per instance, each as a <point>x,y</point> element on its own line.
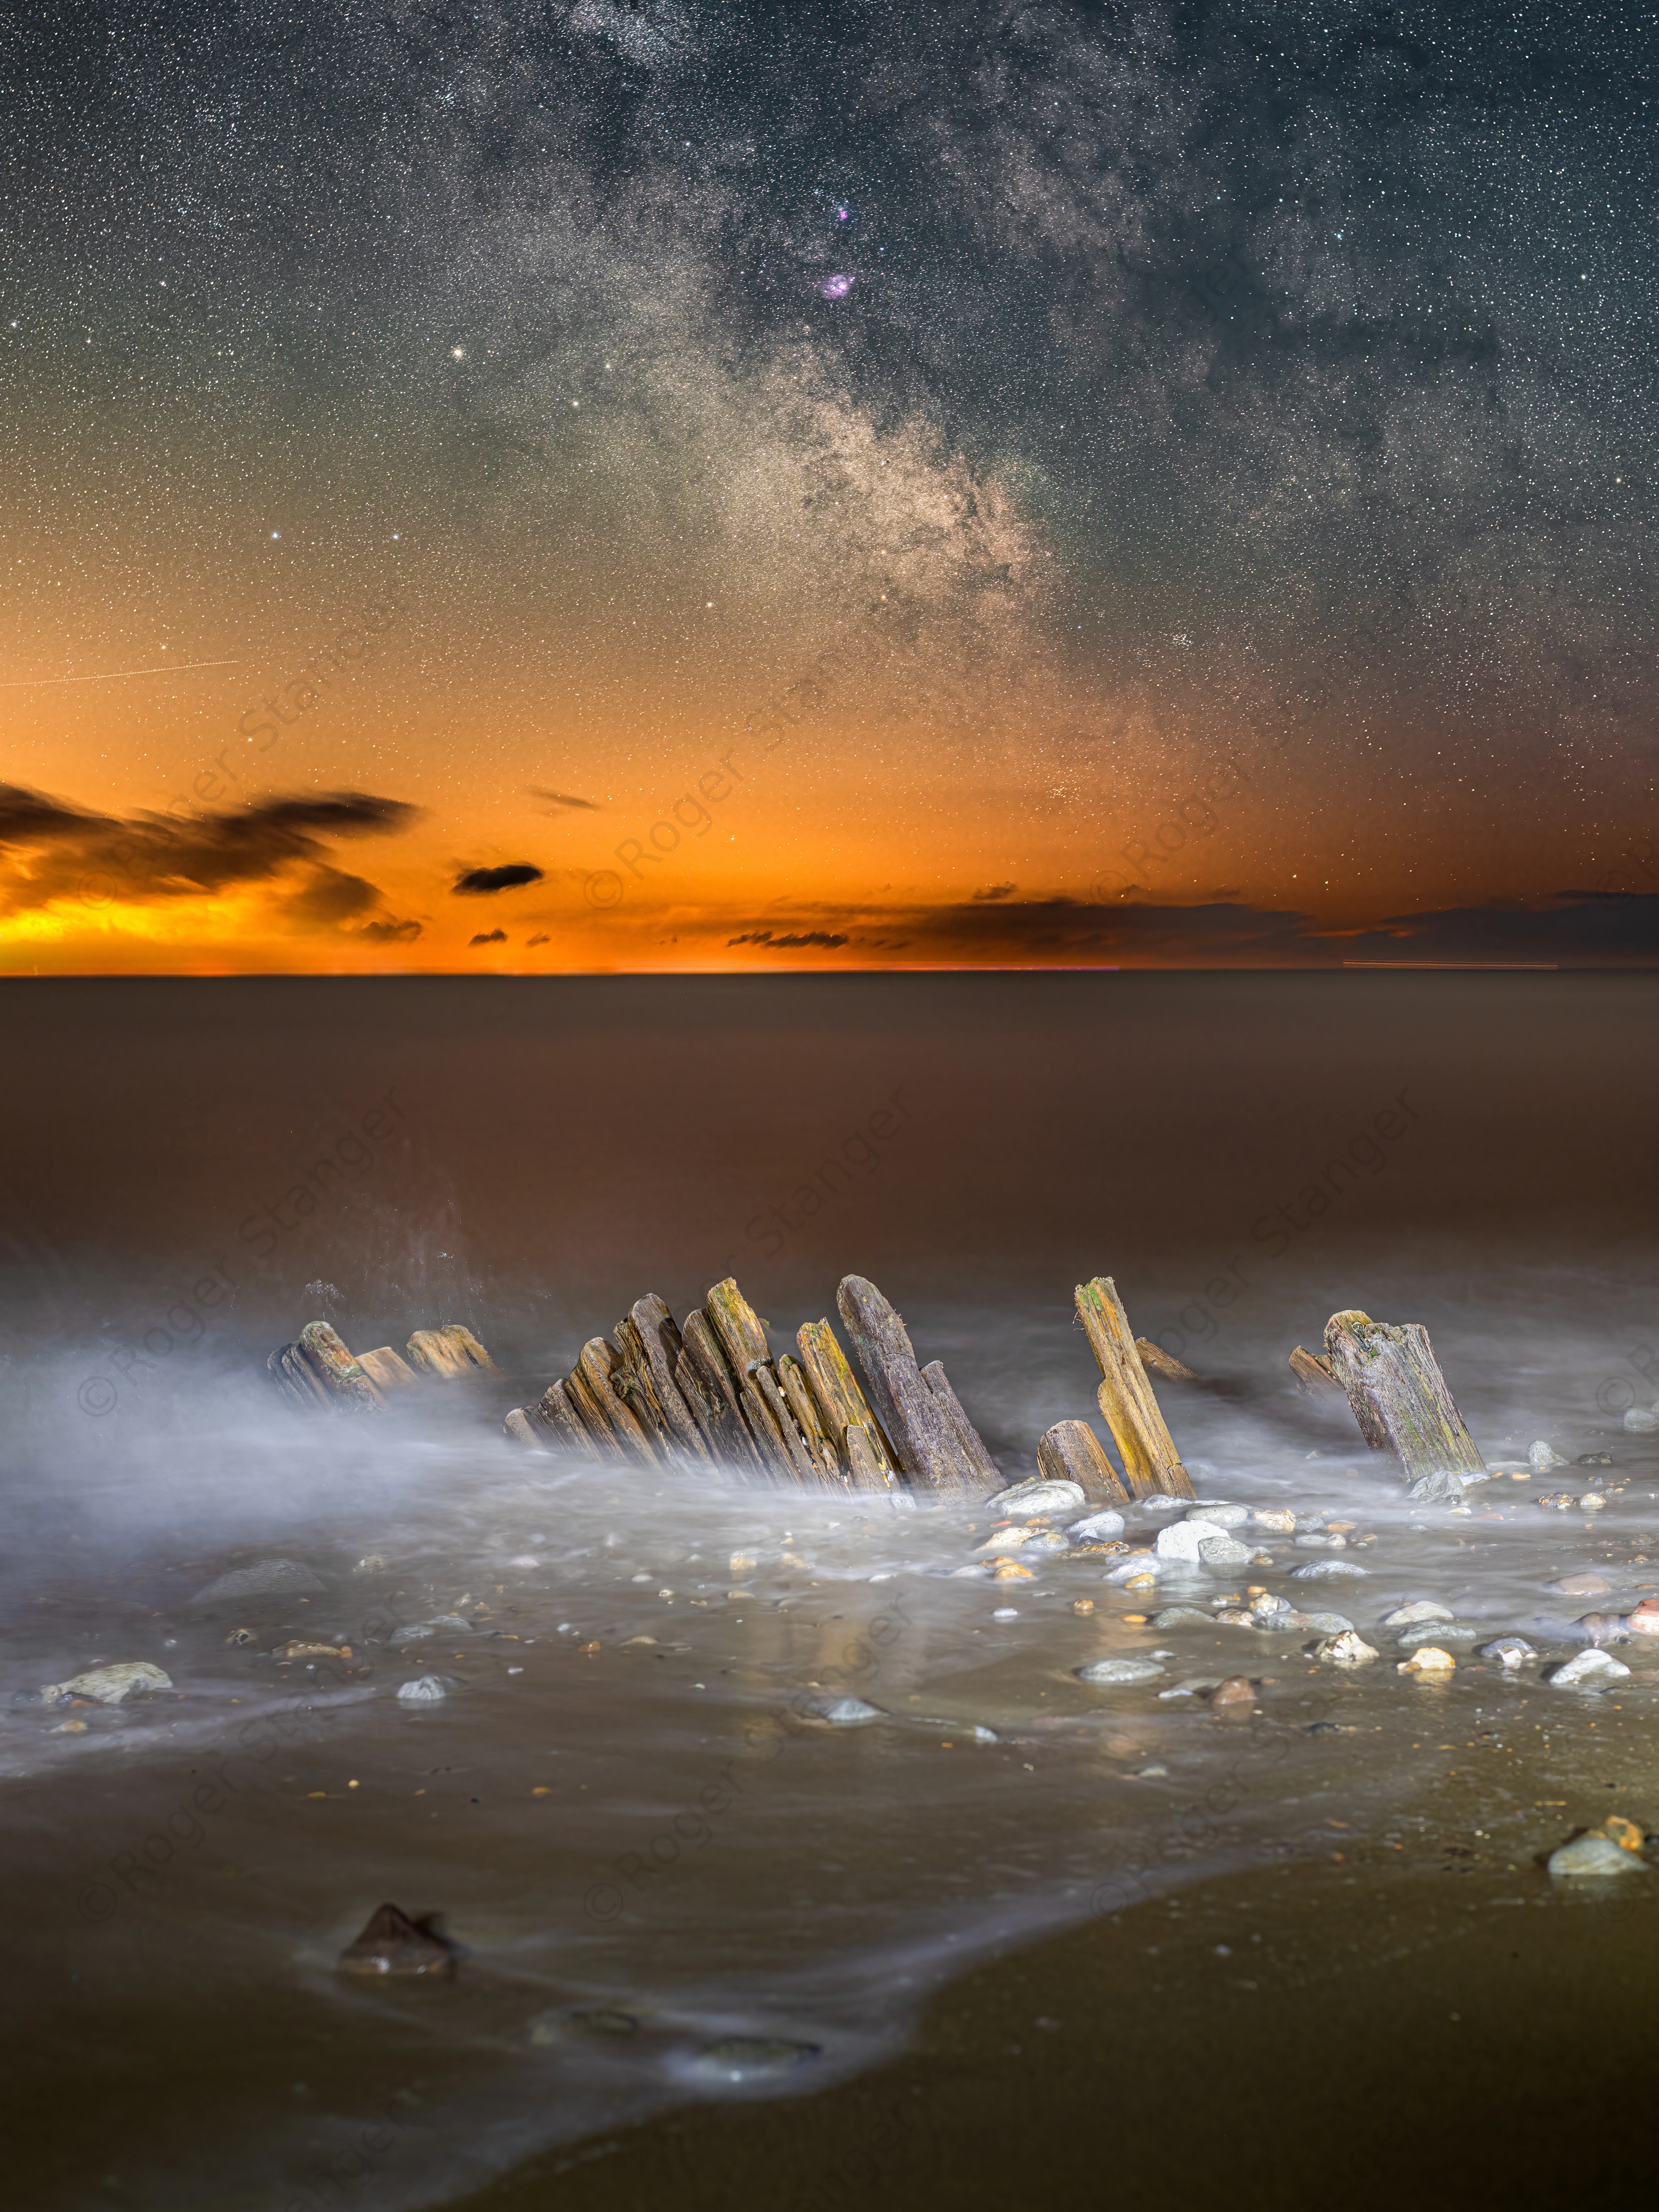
<point>676,486</point>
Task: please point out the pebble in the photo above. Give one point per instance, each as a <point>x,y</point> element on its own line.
<point>1428,1659</point>
<point>1083,1605</point>
<point>1558,1501</point>
<point>851,1712</point>
<point>427,1690</point>
<point>1047,1539</point>
<point>1644,1619</point>
<point>1097,1527</point>
<point>1603,1628</point>
<point>1449,1631</point>
<point>109,1686</point>
<point>1010,1570</point>
<point>1591,1669</point>
<point>1220,1516</point>
<point>1326,1624</point>
<point>1595,1854</point>
<point>1346,1649</point>
<point>1119,1671</point>
<point>1181,1616</point>
<point>1586,1585</point>
<point>253,1582</point>
<point>1225,1552</point>
<point>1422,1608</point>
<point>1007,1540</point>
<point>1152,1773</point>
<point>1543,1456</point>
<point>752,2058</point>
<point>1006,1613</point>
<point>392,1943</point>
<point>1161,1502</point>
<point>1321,1539</point>
<point>1641,1421</point>
<point>1444,1484</point>
<point>581,2026</point>
<point>1509,1651</point>
<point>1282,1523</point>
<point>1181,1540</point>
<point>1037,1494</point>
<point>1237,1690</point>
<point>1592,1502</point>
<point>1320,1571</point>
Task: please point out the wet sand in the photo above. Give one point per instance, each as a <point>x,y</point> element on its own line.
<point>1365,2028</point>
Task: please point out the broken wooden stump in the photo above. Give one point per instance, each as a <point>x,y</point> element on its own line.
<point>924,1432</point>
<point>449,1352</point>
<point>386,1372</point>
<point>320,1370</point>
<point>1071,1452</point>
<point>1151,1462</point>
<point>711,1395</point>
<point>1398,1395</point>
<point>836,1390</point>
<point>1312,1372</point>
<point>1156,1361</point>
<point>969,1442</point>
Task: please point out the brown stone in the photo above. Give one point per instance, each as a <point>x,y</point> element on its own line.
<point>392,1943</point>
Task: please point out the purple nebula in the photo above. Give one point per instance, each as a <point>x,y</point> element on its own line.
<point>843,213</point>
<point>835,287</point>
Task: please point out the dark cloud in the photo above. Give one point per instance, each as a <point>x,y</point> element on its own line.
<point>479,883</point>
<point>491,937</point>
<point>817,938</point>
<point>564,799</point>
<point>1577,929</point>
<point>56,851</point>
<point>1574,929</point>
<point>350,905</point>
<point>994,891</point>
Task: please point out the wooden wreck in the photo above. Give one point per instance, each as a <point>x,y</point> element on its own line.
<point>711,1392</point>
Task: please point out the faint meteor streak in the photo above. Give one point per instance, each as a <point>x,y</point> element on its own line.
<point>113,675</point>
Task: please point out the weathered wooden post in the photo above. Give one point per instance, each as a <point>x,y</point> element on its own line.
<point>1071,1452</point>
<point>922,1431</point>
<point>1150,1461</point>
<point>1398,1395</point>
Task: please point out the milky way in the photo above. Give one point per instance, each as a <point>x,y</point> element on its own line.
<point>1117,393</point>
